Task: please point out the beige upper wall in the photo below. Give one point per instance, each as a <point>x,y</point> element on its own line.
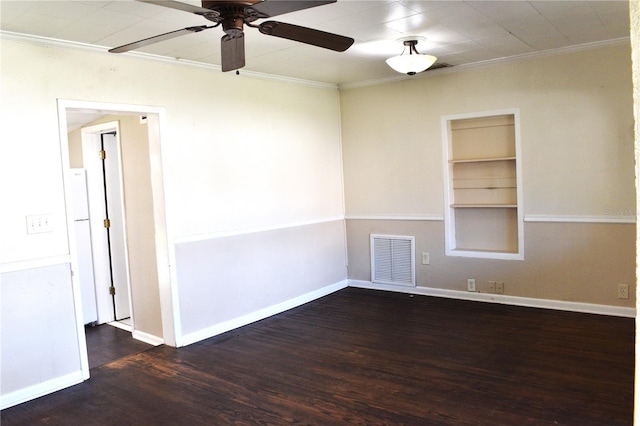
<point>577,134</point>
<point>75,149</point>
<point>577,161</point>
<point>138,202</point>
<point>239,152</point>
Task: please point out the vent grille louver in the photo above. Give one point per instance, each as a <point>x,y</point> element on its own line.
<point>393,259</point>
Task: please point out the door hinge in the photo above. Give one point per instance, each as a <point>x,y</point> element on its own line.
<point>112,291</point>
<point>107,223</point>
<point>103,154</point>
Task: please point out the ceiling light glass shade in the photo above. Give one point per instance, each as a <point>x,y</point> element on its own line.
<point>412,63</point>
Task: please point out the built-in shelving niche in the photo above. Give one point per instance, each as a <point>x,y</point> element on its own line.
<point>483,185</point>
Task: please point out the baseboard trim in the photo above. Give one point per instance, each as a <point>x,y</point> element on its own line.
<point>559,305</point>
<point>147,338</point>
<point>41,389</point>
<point>137,334</point>
<point>261,314</point>
<point>120,325</point>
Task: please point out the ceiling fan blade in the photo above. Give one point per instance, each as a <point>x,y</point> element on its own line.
<point>270,8</point>
<point>155,39</point>
<point>232,52</point>
<point>306,35</point>
<point>185,7</point>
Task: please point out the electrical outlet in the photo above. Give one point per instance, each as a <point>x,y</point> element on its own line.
<point>492,286</point>
<point>623,291</point>
<point>425,258</point>
<point>499,287</point>
<point>471,284</point>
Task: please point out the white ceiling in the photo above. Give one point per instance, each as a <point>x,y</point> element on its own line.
<point>457,32</point>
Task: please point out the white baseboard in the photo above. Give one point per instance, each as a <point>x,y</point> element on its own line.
<point>261,314</point>
<point>40,389</point>
<point>559,305</point>
<point>137,334</point>
<point>147,338</point>
<point>120,325</point>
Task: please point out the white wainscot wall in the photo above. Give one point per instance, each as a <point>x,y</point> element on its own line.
<point>39,347</point>
<point>228,281</point>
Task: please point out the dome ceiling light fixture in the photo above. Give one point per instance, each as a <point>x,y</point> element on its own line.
<point>413,62</point>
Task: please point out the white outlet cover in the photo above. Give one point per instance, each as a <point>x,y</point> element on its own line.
<point>471,284</point>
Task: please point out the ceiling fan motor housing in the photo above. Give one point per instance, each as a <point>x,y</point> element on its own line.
<point>233,25</point>
<point>215,4</point>
<point>232,15</point>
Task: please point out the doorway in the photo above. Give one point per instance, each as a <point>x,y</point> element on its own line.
<point>150,300</point>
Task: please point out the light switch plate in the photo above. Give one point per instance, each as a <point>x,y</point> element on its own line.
<point>38,224</point>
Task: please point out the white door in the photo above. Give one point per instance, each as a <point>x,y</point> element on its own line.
<point>101,159</point>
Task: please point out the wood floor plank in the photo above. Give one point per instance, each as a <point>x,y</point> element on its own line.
<point>365,357</point>
<point>106,343</point>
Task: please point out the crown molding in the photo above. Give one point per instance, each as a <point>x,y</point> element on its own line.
<point>91,48</point>
<point>65,44</point>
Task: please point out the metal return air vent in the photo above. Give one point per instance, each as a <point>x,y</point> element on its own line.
<point>393,260</point>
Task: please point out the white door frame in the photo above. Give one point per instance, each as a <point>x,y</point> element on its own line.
<point>168,293</point>
<point>91,138</point>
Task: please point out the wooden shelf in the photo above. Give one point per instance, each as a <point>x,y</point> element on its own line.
<point>482,160</point>
<point>484,206</point>
<point>485,183</point>
<point>483,189</point>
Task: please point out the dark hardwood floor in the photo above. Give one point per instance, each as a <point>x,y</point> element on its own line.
<point>369,358</point>
<point>106,344</point>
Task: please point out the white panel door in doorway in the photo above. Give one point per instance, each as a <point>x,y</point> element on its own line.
<point>102,160</point>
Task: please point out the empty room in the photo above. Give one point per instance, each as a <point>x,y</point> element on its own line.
<point>351,212</point>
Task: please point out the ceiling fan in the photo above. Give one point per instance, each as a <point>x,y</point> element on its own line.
<point>234,14</point>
